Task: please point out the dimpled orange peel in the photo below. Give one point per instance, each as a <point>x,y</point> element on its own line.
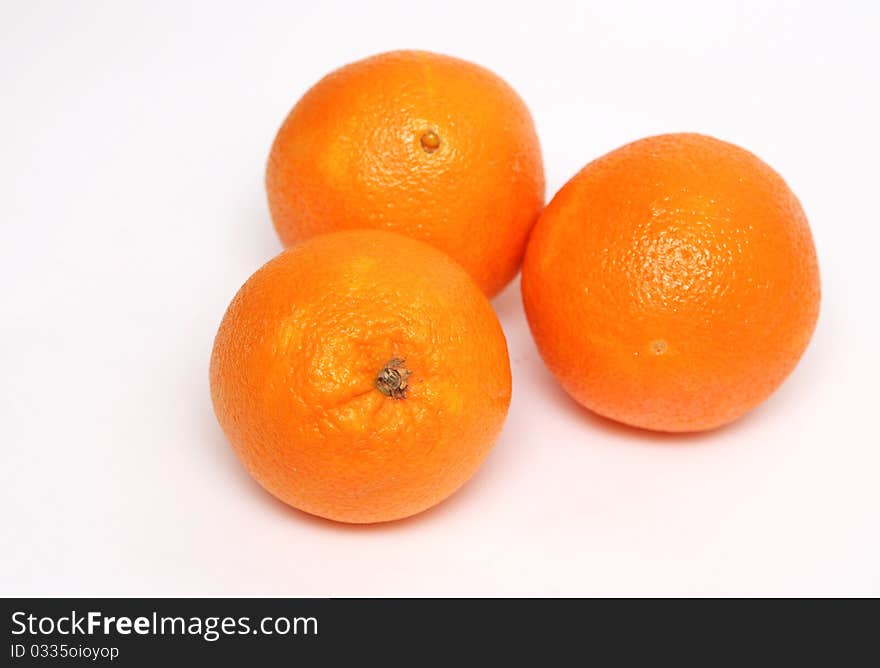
<point>361,376</point>
<point>427,145</point>
<point>672,284</point>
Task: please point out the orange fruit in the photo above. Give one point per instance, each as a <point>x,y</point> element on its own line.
<point>433,147</point>
<point>361,376</point>
<point>672,284</point>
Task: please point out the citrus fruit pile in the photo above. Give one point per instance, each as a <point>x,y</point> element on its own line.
<point>362,375</point>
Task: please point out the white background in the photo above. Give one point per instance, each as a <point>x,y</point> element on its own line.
<point>133,138</point>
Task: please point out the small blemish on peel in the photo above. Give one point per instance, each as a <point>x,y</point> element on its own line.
<point>658,346</point>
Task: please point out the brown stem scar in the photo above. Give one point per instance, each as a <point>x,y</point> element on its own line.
<point>392,379</point>
<point>430,141</point>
